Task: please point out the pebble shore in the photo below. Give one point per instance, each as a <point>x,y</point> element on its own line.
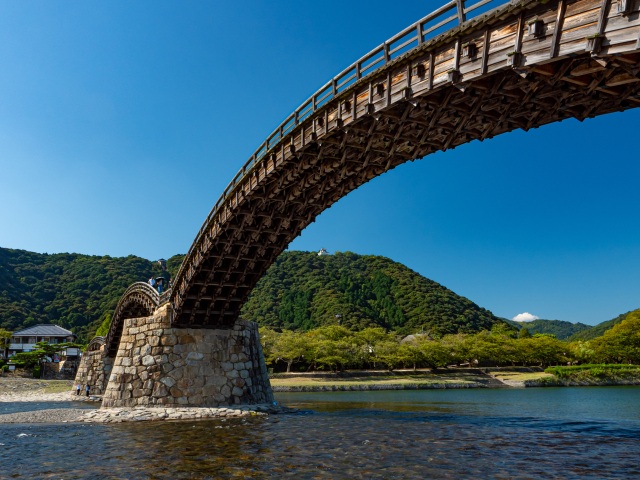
<point>32,391</point>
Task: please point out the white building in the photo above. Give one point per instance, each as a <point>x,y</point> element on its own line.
<point>25,340</point>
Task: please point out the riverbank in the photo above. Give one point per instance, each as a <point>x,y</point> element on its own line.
<point>15,389</point>
<point>18,389</point>
<point>405,379</point>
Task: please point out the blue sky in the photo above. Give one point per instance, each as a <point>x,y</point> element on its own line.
<point>122,122</point>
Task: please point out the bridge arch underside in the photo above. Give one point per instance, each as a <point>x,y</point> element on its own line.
<point>435,98</point>
<point>140,300</point>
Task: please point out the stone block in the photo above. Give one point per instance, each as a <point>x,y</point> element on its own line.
<point>175,392</point>
<point>160,390</point>
<point>184,383</point>
<point>185,339</point>
<point>154,341</point>
<point>227,366</point>
<point>210,390</point>
<point>167,367</point>
<point>237,392</point>
<point>168,381</point>
<point>148,360</point>
<point>195,356</point>
<point>197,382</point>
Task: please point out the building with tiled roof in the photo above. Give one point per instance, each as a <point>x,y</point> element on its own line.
<point>25,340</point>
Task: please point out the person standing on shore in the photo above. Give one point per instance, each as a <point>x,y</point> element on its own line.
<point>87,389</point>
<point>78,389</point>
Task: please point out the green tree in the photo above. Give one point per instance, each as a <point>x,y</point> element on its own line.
<point>103,329</point>
<point>42,355</point>
<point>388,353</point>
<point>290,347</point>
<point>524,333</point>
<point>268,338</point>
<point>546,350</point>
<point>434,353</point>
<point>620,344</point>
<point>5,341</point>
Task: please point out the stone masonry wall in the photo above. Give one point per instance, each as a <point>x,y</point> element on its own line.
<point>160,365</point>
<point>93,371</point>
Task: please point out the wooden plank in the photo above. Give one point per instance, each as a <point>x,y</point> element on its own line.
<point>602,16</point>
<point>431,69</point>
<point>581,19</point>
<point>485,52</point>
<point>558,29</point>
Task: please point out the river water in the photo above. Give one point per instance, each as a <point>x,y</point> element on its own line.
<point>581,433</point>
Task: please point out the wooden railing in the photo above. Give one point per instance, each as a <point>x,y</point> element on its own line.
<point>448,16</point>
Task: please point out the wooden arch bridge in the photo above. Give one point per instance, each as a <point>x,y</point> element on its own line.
<point>468,71</point>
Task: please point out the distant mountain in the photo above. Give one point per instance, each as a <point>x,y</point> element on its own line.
<point>303,290</point>
<point>560,328</point>
<point>598,330</point>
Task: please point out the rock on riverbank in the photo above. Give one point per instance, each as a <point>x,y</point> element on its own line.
<point>137,414</point>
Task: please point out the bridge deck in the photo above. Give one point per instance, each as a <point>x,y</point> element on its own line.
<point>524,65</point>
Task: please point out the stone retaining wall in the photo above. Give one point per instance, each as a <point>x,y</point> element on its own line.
<point>160,365</point>
<point>94,371</point>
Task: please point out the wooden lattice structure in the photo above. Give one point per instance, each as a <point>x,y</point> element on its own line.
<point>139,300</point>
<point>442,82</point>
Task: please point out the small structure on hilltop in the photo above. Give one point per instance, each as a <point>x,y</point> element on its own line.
<point>322,252</point>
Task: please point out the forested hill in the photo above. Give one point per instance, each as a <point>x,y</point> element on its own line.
<point>71,290</point>
<point>598,330</point>
<point>302,291</point>
<point>560,328</point>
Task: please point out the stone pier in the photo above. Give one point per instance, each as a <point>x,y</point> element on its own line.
<point>94,369</point>
<point>157,365</point>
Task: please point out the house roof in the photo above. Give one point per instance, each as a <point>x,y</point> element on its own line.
<point>47,330</point>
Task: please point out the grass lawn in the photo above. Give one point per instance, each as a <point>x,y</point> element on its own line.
<point>429,379</point>
<point>520,376</point>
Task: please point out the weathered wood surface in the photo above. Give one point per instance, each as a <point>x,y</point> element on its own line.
<point>582,60</point>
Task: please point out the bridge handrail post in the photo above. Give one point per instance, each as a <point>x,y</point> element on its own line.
<point>461,14</point>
